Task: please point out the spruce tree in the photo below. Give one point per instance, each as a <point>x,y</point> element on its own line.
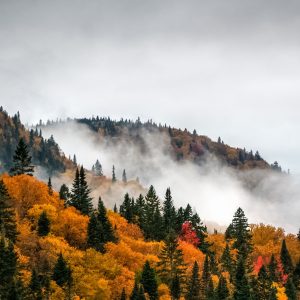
<point>22,160</point>
<point>175,288</point>
<point>171,264</point>
<point>168,212</point>
<point>98,168</point>
<point>8,267</point>
<point>115,208</point>
<point>272,268</point>
<point>95,234</point>
<point>241,233</point>
<point>285,259</point>
<point>62,274</point>
<point>222,292</point>
<point>135,291</point>
<point>290,290</point>
<point>35,286</point>
<point>141,293</point>
<point>296,275</point>
<point>123,295</point>
<point>193,292</point>
<point>152,225</point>
<point>148,280</point>
<point>80,197</point>
<point>242,289</point>
<point>263,284</point>
<point>139,210</point>
<point>113,177</point>
<point>50,189</point>
<point>7,214</point>
<point>124,176</point>
<point>108,233</point>
<point>43,224</point>
<point>126,209</point>
<point>273,294</point>
<point>64,193</point>
<point>226,261</point>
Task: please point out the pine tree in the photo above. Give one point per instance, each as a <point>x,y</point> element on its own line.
<point>75,160</point>
<point>7,214</point>
<point>229,232</point>
<point>98,168</point>
<point>123,295</point>
<point>113,178</point>
<point>139,210</point>
<point>80,197</point>
<point>35,286</point>
<point>263,284</point>
<point>272,268</point>
<point>64,193</point>
<point>241,233</point>
<point>22,160</point>
<point>222,289</point>
<point>193,292</point>
<point>115,208</point>
<point>43,224</point>
<point>124,176</point>
<point>152,225</point>
<point>50,189</point>
<point>62,274</point>
<point>296,275</point>
<point>8,267</point>
<point>135,292</point>
<point>108,233</point>
<point>242,289</point>
<point>226,260</point>
<point>290,290</point>
<point>148,280</point>
<point>95,234</point>
<point>169,213</point>
<point>126,209</point>
<point>285,259</point>
<point>175,288</point>
<point>171,264</point>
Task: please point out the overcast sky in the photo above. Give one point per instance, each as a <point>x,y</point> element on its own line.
<point>226,68</point>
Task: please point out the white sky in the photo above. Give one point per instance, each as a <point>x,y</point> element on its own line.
<point>226,68</point>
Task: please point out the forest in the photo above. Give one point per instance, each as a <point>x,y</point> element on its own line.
<point>57,245</point>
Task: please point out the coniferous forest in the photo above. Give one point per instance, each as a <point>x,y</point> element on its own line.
<point>58,245</point>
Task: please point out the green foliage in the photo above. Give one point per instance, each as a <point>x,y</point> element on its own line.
<point>7,214</point>
<point>290,290</point>
<point>285,259</point>
<point>62,274</point>
<point>263,284</point>
<point>272,268</point>
<point>43,224</point>
<point>80,196</point>
<point>175,288</point>
<point>50,189</point>
<point>35,286</point>
<point>22,160</point>
<point>168,213</point>
<point>222,292</point>
<point>148,280</point>
<point>64,193</point>
<point>95,234</point>
<point>193,292</point>
<point>226,261</point>
<point>242,289</point>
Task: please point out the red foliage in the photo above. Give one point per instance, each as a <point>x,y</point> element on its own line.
<point>283,277</point>
<point>258,264</point>
<point>188,234</point>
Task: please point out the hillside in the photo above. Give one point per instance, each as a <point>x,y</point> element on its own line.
<point>184,145</point>
<point>45,152</point>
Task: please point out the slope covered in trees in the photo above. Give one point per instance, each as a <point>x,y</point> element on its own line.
<point>44,152</point>
<point>60,253</point>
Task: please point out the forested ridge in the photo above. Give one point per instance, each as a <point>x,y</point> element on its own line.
<point>57,245</point>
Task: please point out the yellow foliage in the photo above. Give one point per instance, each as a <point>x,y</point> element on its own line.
<point>280,292</point>
<point>164,292</point>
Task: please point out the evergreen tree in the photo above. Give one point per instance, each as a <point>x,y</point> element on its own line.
<point>169,213</point>
<point>8,267</point>
<point>141,293</point>
<point>285,259</point>
<point>210,292</point>
<point>64,193</point>
<point>290,290</point>
<point>241,233</point>
<point>188,213</point>
<point>115,208</point>
<point>75,160</point>
<point>123,295</point>
<point>135,292</point>
<point>152,225</point>
<point>193,292</point>
<point>175,288</point>
<point>242,289</point>
<point>7,214</point>
<point>148,280</point>
<point>113,178</point>
<point>50,189</point>
<point>222,290</point>
<point>35,286</point>
<point>298,235</point>
<point>95,234</point>
<point>124,176</point>
<point>273,294</point>
<point>98,168</point>
<point>22,160</point>
<point>226,261</point>
<point>272,268</point>
<point>62,274</point>
<point>43,224</point>
<point>263,284</point>
<point>80,197</point>
<point>229,232</point>
<point>108,233</point>
<point>126,209</point>
<point>171,264</point>
<point>296,275</point>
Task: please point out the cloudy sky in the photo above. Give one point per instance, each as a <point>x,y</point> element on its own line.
<point>226,68</point>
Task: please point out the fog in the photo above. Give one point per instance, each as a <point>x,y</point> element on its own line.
<point>215,191</point>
